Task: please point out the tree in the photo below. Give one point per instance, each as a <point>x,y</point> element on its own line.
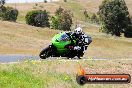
<point>45,1</point>
<point>85,14</point>
<point>94,18</point>
<point>114,16</point>
<point>65,21</point>
<point>8,13</point>
<point>128,32</point>
<point>65,0</point>
<point>2,12</point>
<point>55,22</point>
<point>41,20</point>
<point>38,18</point>
<point>59,11</point>
<point>2,2</point>
<point>62,20</point>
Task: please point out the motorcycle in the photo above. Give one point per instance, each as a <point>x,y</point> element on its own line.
<point>63,45</point>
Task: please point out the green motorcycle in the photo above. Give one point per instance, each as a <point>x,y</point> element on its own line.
<point>63,46</point>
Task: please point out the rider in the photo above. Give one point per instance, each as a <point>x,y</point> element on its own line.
<point>81,38</point>
<point>77,36</point>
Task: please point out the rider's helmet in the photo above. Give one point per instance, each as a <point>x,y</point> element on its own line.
<point>78,30</point>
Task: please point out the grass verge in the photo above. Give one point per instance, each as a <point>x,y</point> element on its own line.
<point>59,73</point>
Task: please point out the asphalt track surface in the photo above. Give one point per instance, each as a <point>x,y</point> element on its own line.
<point>16,57</point>
<point>7,58</point>
<point>21,57</point>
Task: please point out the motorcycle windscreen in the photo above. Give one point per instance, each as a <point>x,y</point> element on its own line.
<point>60,41</point>
<point>64,37</point>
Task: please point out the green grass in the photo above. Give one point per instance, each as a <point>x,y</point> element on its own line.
<point>58,73</point>
<point>21,19</point>
<point>17,78</point>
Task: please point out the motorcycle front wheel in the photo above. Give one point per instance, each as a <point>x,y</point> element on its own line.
<point>45,53</point>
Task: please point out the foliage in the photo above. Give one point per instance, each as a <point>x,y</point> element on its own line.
<point>38,18</point>
<point>2,2</point>
<point>2,11</point>
<point>11,14</point>
<point>45,1</point>
<point>8,14</point>
<point>55,22</point>
<point>114,16</point>
<point>128,32</point>
<point>59,11</point>
<point>65,0</point>
<point>94,18</point>
<point>62,20</point>
<point>86,14</point>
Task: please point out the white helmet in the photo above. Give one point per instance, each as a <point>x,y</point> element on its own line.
<point>78,30</point>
